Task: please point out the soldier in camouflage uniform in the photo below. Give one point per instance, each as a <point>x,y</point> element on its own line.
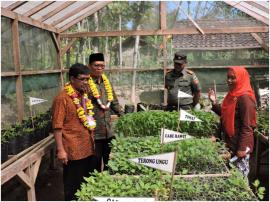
<point>103,132</point>
<point>184,80</point>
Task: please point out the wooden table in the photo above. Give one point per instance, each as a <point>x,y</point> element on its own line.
<point>26,164</point>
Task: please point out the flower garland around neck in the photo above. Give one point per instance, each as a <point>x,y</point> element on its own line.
<point>96,94</point>
<point>86,117</point>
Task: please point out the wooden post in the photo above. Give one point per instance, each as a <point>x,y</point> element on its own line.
<point>59,62</point>
<point>16,58</point>
<point>163,26</point>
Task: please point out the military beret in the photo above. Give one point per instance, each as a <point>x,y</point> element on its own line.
<point>96,57</point>
<point>180,58</point>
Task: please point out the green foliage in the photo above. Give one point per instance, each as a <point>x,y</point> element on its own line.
<point>149,123</point>
<point>259,191</point>
<point>26,127</point>
<point>194,155</point>
<point>103,184</point>
<point>232,188</point>
<point>157,185</point>
<point>11,132</point>
<point>262,126</point>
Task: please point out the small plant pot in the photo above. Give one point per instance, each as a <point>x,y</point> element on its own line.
<point>4,152</point>
<point>14,146</point>
<point>25,141</point>
<point>49,127</point>
<point>37,135</point>
<point>129,109</point>
<point>43,133</point>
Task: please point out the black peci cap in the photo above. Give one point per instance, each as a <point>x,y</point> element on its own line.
<point>180,58</point>
<point>96,57</point>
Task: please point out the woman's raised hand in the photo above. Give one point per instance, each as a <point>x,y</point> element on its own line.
<point>212,96</point>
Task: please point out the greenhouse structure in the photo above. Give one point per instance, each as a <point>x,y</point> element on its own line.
<point>141,42</point>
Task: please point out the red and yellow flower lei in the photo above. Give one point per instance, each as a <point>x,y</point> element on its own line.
<point>108,89</point>
<point>85,117</point>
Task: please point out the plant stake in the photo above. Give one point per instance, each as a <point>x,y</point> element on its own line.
<point>215,89</point>
<point>173,172</point>
<point>34,101</point>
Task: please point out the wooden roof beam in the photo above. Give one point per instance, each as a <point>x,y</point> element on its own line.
<point>67,47</point>
<point>15,5</point>
<point>72,13</point>
<point>56,10</point>
<point>163,20</point>
<point>257,5</point>
<point>194,23</point>
<point>264,45</point>
<point>37,8</point>
<point>239,6</point>
<point>91,9</point>
<point>255,9</point>
<point>165,32</point>
<point>57,45</point>
<point>27,20</point>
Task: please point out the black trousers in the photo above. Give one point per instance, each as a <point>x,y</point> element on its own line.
<point>103,150</point>
<point>73,174</point>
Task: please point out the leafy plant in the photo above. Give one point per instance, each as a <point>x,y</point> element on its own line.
<point>149,123</point>
<point>262,126</point>
<point>9,134</point>
<point>194,155</point>
<point>28,131</point>
<point>103,184</point>
<point>259,191</point>
<point>232,188</point>
<point>156,184</point>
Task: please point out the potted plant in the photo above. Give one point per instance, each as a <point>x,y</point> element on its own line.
<point>4,147</point>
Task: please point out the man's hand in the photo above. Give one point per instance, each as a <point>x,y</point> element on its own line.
<point>212,96</point>
<point>62,156</point>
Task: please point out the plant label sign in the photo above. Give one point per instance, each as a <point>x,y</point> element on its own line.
<point>123,199</point>
<point>184,116</point>
<point>181,94</point>
<point>162,162</point>
<point>171,136</point>
<point>263,92</point>
<point>34,101</point>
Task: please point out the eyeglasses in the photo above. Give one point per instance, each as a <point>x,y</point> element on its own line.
<point>82,79</point>
<point>98,65</point>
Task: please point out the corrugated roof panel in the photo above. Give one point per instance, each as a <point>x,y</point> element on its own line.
<point>27,6</point>
<point>64,12</point>
<point>85,10</point>
<point>47,9</point>
<point>252,10</point>
<point>216,41</point>
<point>5,4</point>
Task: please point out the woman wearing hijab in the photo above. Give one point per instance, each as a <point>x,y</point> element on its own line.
<point>238,116</point>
